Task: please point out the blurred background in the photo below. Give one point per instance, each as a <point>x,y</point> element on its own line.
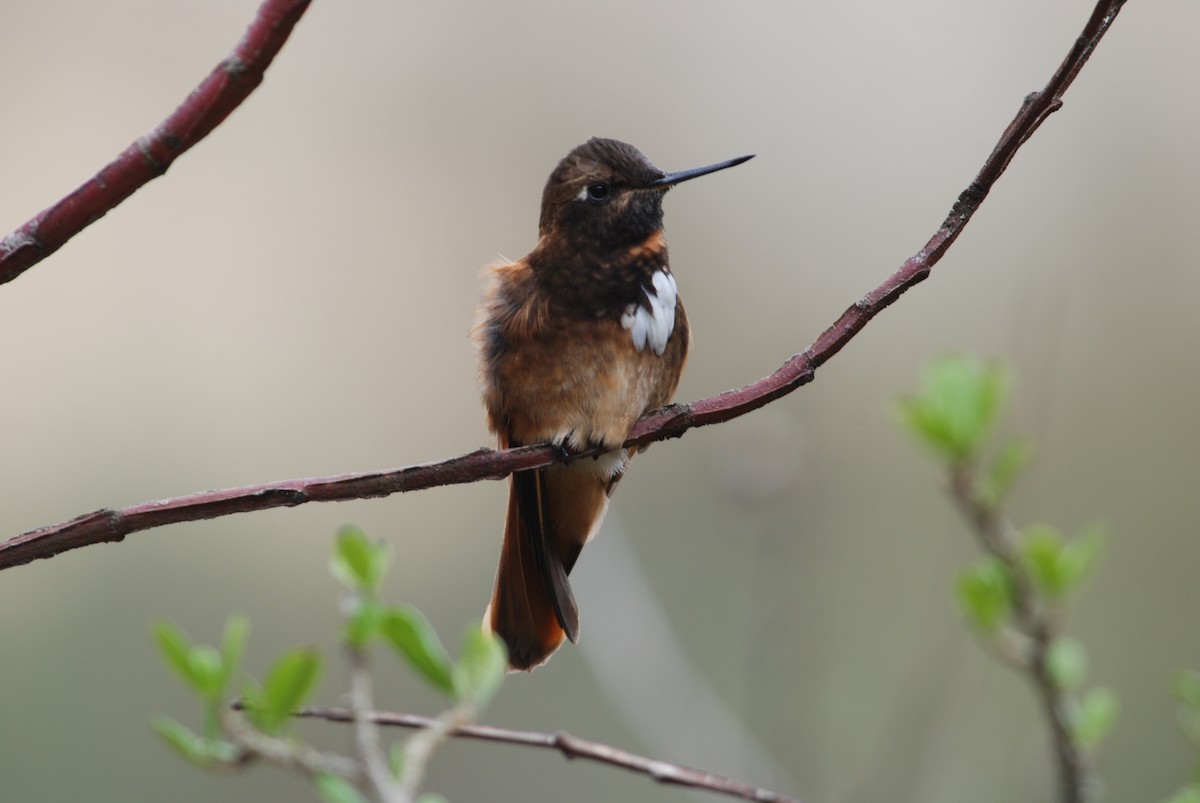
<point>772,598</point>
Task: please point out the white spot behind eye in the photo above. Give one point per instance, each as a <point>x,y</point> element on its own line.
<point>654,322</point>
<point>583,193</point>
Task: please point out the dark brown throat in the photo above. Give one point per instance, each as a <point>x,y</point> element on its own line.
<point>584,283</point>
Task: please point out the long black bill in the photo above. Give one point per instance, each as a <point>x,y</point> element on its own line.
<point>671,179</point>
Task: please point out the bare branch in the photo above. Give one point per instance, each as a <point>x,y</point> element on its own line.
<point>571,747</point>
<point>669,422</point>
<point>205,108</point>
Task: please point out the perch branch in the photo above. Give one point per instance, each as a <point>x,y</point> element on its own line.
<point>205,108</point>
<point>571,747</point>
<point>669,422</point>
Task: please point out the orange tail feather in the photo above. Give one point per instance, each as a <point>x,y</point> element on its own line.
<point>552,512</point>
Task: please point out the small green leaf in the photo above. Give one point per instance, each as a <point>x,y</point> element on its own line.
<point>287,686</point>
<point>184,741</point>
<point>363,622</point>
<point>1186,687</point>
<point>957,406</point>
<point>1188,794</point>
<point>985,594</point>
<point>1189,723</point>
<point>208,671</point>
<point>1056,565</point>
<point>1066,661</point>
<point>357,562</point>
<point>1042,547</point>
<point>254,703</point>
<point>175,649</point>
<point>1080,554</point>
<point>430,797</point>
<point>233,645</point>
<point>201,666</point>
<point>997,480</point>
<point>396,756</point>
<point>291,680</point>
<point>481,666</point>
<point>192,746</point>
<point>1097,713</point>
<point>336,789</point>
<point>409,632</point>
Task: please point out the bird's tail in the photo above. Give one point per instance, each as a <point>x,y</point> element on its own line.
<point>552,512</point>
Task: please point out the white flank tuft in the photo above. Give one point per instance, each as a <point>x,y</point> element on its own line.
<point>654,322</point>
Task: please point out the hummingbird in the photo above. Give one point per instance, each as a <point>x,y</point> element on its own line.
<point>575,342</point>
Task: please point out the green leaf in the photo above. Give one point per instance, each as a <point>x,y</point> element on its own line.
<point>201,666</point>
<point>363,622</point>
<point>1188,794</point>
<point>233,645</point>
<point>287,686</point>
<point>291,680</point>
<point>254,703</point>
<point>1189,723</point>
<point>1186,687</point>
<point>192,746</point>
<point>208,671</point>
<point>481,666</point>
<point>957,406</point>
<point>336,789</point>
<point>409,632</point>
<point>1058,566</point>
<point>1066,661</point>
<point>396,757</point>
<point>357,562</point>
<point>985,594</point>
<point>1097,713</point>
<point>1041,548</point>
<point>184,741</point>
<point>175,649</point>
<point>429,797</point>
<point>997,480</point>
<point>1081,554</point>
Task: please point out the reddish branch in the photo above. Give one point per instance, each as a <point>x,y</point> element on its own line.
<point>670,422</point>
<point>205,108</point>
<point>571,747</point>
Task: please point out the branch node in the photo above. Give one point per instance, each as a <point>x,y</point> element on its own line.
<point>145,145</point>
<point>964,207</point>
<point>561,740</point>
<point>234,67</point>
<point>21,238</point>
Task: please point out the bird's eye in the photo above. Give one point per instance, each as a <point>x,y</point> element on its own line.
<point>597,191</point>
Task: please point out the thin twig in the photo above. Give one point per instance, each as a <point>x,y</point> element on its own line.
<point>419,749</point>
<point>255,744</point>
<point>146,159</point>
<point>669,422</point>
<point>570,747</point>
<point>366,732</point>
<point>1037,623</point>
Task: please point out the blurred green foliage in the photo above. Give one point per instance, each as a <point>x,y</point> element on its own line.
<point>359,564</point>
<point>1013,595</point>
